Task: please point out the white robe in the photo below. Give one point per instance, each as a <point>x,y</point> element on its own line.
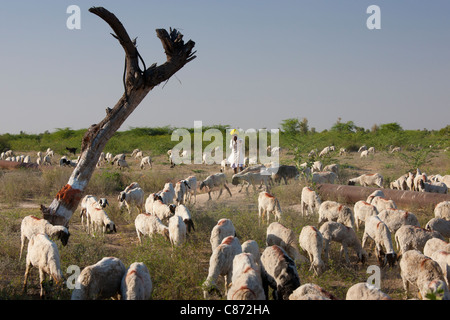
<point>236,158</point>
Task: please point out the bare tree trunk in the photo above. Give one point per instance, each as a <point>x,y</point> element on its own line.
<point>137,84</point>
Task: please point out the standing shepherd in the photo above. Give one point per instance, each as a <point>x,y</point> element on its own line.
<point>236,158</point>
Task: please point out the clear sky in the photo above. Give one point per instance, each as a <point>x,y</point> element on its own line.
<point>258,62</point>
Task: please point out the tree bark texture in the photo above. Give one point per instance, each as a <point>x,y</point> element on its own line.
<point>137,83</point>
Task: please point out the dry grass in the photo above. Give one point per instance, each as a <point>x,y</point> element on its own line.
<point>177,273</point>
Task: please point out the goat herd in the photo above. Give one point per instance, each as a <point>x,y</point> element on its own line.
<point>423,254</point>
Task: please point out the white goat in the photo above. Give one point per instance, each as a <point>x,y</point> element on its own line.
<point>132,195</point>
<point>311,241</point>
<point>101,280</point>
<point>99,219</point>
<point>424,273</point>
<point>362,211</point>
<point>253,179</point>
<point>285,238</point>
<point>379,232</point>
<point>32,225</point>
<point>181,190</point>
<point>382,203</point>
<point>440,225</point>
<point>267,205</point>
<point>365,291</point>
<point>395,218</point>
<point>136,283</point>
<point>146,161</point>
<point>279,272</point>
<point>435,244</point>
<point>346,236</point>
<point>374,179</point>
<point>182,211</point>
<point>251,246</point>
<point>334,211</point>
<point>413,238</point>
<point>192,190</point>
<point>163,211</point>
<point>310,202</point>
<point>442,257</point>
<point>168,193</point>
<point>220,231</point>
<point>147,224</point>
<point>177,231</point>
<point>246,279</point>
<point>217,180</point>
<point>221,264</point>
<point>442,210</point>
<point>376,193</point>
<point>43,254</point>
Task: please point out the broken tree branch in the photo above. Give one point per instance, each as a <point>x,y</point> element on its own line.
<point>137,86</point>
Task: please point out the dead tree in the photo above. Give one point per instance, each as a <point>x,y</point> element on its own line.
<point>137,83</point>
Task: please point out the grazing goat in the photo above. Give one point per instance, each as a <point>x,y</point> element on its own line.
<point>379,232</point>
<point>311,241</point>
<point>414,238</point>
<point>220,231</point>
<point>192,190</point>
<point>132,195</point>
<point>182,211</point>
<point>217,180</point>
<point>267,205</point>
<point>221,264</point>
<point>365,291</point>
<point>382,203</point>
<point>310,201</point>
<point>442,257</point>
<point>374,179</point>
<point>435,244</point>
<point>246,279</point>
<point>43,254</point>
<point>279,272</point>
<point>32,225</point>
<point>334,211</point>
<point>362,211</point>
<point>163,211</point>
<point>285,238</point>
<point>346,236</point>
<point>376,193</point>
<point>181,189</point>
<point>98,218</point>
<point>424,273</point>
<point>147,224</point>
<point>442,210</point>
<point>101,280</point>
<point>177,231</point>
<point>395,218</point>
<point>146,161</point>
<point>251,246</point>
<point>136,283</point>
<point>167,194</point>
<point>251,178</point>
<point>440,225</point>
